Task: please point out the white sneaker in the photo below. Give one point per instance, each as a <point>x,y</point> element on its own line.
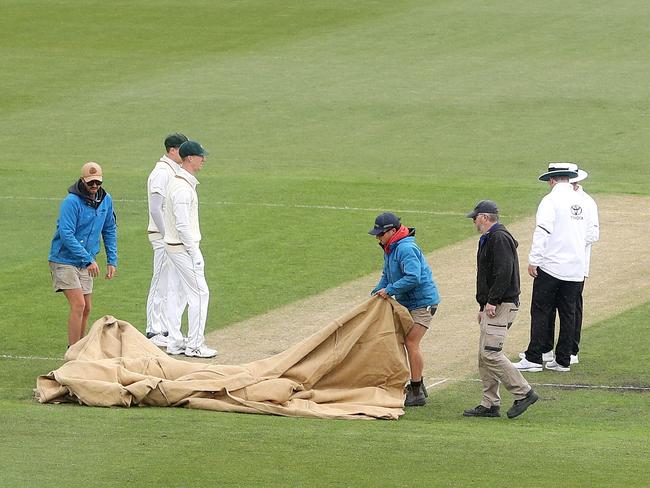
<point>526,365</point>
<point>159,340</point>
<point>547,356</point>
<point>574,359</point>
<point>557,367</point>
<point>200,352</point>
<point>176,349</point>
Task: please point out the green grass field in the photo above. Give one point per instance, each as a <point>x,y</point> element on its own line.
<point>317,115</point>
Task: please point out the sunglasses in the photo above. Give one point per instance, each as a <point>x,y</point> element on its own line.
<point>94,183</point>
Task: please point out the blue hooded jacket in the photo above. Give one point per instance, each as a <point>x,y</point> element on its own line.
<point>407,275</point>
<point>81,222</point>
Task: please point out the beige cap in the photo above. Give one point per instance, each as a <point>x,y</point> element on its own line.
<point>91,171</point>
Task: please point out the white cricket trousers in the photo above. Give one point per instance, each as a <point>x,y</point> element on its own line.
<point>166,300</point>
<point>192,277</point>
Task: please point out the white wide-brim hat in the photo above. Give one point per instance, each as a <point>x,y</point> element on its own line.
<point>582,175</point>
<point>560,169</point>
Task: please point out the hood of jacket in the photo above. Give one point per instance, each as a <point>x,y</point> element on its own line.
<point>498,227</point>
<point>399,237</point>
<point>80,190</point>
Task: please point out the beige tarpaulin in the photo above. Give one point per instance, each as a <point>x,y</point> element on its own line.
<point>356,367</point>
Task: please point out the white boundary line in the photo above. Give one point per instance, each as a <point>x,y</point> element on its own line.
<point>259,204</point>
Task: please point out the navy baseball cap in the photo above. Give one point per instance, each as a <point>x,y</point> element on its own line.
<point>485,207</point>
<point>191,148</point>
<point>385,222</point>
<point>174,140</point>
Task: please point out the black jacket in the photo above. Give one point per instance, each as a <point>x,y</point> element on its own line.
<point>497,277</point>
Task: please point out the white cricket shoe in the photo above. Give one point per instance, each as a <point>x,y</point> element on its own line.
<point>547,356</point>
<point>557,367</point>
<point>574,359</point>
<point>159,340</point>
<point>527,366</point>
<point>176,348</point>
<point>200,352</point>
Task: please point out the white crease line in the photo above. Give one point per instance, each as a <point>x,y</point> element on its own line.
<point>595,387</point>
<point>265,205</point>
<point>9,356</point>
<point>437,383</point>
<point>576,386</point>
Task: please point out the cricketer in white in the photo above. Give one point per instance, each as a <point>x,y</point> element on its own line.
<point>182,238</point>
<point>165,284</point>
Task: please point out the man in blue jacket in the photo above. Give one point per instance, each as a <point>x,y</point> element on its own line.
<point>408,278</point>
<point>85,215</point>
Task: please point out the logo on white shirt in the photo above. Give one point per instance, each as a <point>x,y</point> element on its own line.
<point>576,212</point>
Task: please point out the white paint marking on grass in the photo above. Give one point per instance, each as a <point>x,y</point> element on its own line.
<point>437,383</point>
<point>9,356</point>
<point>265,205</point>
<point>578,386</point>
<point>594,387</point>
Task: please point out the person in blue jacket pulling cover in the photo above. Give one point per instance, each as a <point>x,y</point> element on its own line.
<point>408,278</point>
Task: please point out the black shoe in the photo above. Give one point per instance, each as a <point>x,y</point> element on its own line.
<point>520,406</point>
<point>481,411</point>
<point>415,398</point>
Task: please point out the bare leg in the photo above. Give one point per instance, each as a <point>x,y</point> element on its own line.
<point>76,324</point>
<point>412,343</point>
<point>88,305</point>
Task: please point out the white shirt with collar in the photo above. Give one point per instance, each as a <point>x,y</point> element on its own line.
<point>560,235</point>
<point>182,211</point>
<point>157,182</point>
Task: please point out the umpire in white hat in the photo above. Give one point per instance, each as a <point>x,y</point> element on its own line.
<point>557,263</point>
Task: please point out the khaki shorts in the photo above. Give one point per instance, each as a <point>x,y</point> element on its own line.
<point>424,315</point>
<point>68,277</point>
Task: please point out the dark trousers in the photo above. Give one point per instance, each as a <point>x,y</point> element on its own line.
<point>550,294</point>
<point>549,339</point>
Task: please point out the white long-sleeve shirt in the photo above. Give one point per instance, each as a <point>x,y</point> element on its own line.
<point>559,239</point>
<point>182,211</point>
<point>592,226</point>
<point>157,182</point>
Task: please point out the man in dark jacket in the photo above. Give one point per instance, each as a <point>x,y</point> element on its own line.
<point>497,293</point>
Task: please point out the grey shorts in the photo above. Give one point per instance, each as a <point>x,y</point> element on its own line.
<point>68,277</point>
<point>423,315</point>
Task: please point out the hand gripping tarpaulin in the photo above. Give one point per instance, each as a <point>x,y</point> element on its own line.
<point>356,367</point>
